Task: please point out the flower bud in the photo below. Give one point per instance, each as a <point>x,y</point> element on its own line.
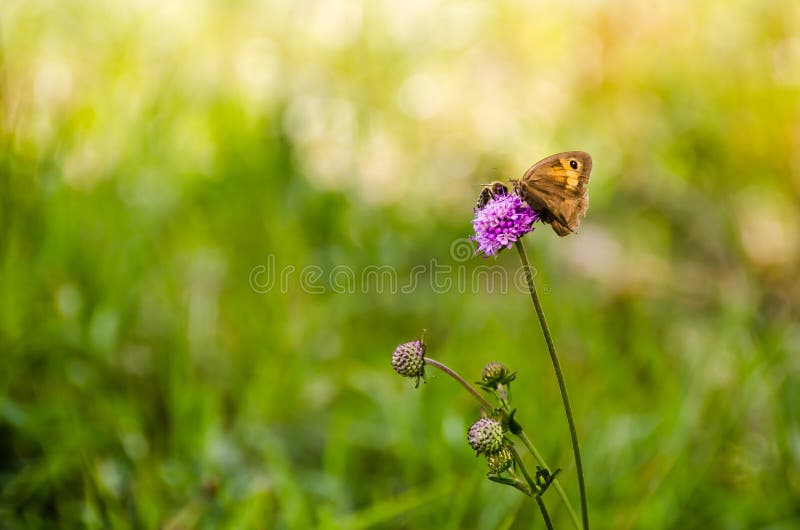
<point>494,374</point>
<point>486,436</point>
<point>408,359</point>
<point>500,460</point>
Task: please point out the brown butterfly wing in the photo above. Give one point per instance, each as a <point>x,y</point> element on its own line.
<point>557,190</point>
<point>573,221</point>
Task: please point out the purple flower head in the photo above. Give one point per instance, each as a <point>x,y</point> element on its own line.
<point>500,223</point>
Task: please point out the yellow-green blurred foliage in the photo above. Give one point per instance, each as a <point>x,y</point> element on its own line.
<point>156,153</point>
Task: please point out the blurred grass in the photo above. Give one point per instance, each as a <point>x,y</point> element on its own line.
<point>154,153</point>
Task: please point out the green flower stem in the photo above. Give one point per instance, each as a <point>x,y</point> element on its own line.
<point>540,460</point>
<point>521,465</point>
<point>559,489</point>
<point>543,509</point>
<point>562,386</point>
<point>471,389</point>
<point>532,484</point>
<point>522,436</point>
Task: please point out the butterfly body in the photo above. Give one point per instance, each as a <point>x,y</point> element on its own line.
<point>555,188</point>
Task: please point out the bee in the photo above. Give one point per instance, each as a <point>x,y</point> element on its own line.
<point>489,192</point>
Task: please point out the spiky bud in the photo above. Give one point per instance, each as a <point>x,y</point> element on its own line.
<point>486,436</point>
<point>494,374</point>
<point>500,460</point>
<point>408,359</point>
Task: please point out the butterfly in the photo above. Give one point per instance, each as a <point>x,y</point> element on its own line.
<point>555,188</point>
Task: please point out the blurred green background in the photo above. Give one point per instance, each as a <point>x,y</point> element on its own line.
<point>158,156</point>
